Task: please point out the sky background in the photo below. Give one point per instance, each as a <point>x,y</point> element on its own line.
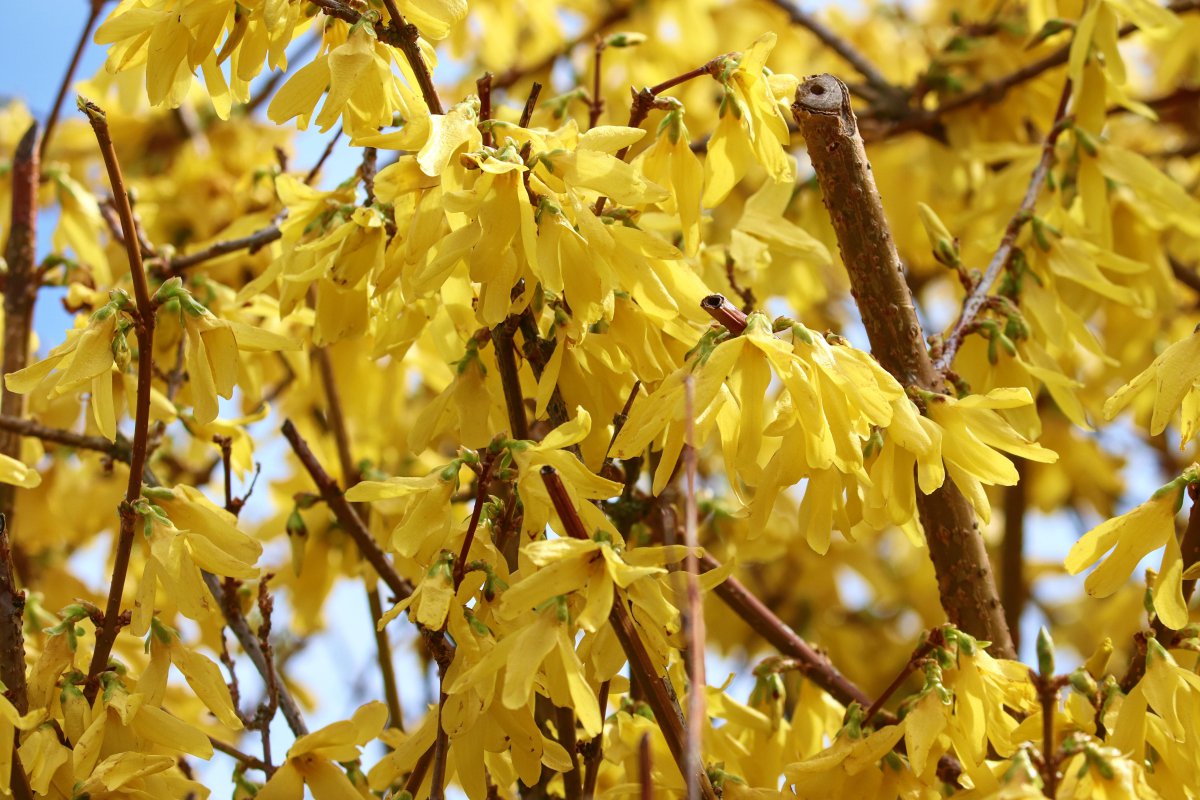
<point>31,68</point>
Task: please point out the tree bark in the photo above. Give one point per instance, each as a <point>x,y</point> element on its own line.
<point>822,110</point>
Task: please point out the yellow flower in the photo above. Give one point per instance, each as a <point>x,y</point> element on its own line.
<point>10,722</point>
<point>17,473</point>
<point>362,89</point>
<point>971,437</point>
<point>185,533</point>
<point>311,759</point>
<point>85,358</point>
<point>212,350</point>
<point>670,163</point>
<point>1130,537</point>
<point>752,126</point>
<point>1176,377</point>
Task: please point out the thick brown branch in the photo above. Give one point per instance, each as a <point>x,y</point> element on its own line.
<point>822,110</point>
<point>641,666</point>
<point>976,300</point>
<point>144,325</point>
<point>349,519</point>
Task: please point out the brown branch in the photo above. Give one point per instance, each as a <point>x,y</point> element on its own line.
<point>387,670</point>
<point>12,657</point>
<point>483,87</point>
<point>960,559</point>
<point>118,450</point>
<point>719,308</point>
<point>813,665</point>
<point>595,748</point>
<point>976,300</point>
<point>12,640</point>
<point>510,379</point>
<point>993,91</point>
<point>441,747</point>
<point>399,33</point>
<point>270,703</point>
<point>346,516</point>
<point>530,105</point>
<point>1013,591</point>
<point>248,639</point>
<point>615,15</point>
<point>694,620</point>
<point>572,782</point>
<point>253,242</point>
<point>641,666</point>
<point>596,103</point>
<point>886,92</point>
<point>370,160</point>
<point>646,768</point>
<point>144,326</point>
<point>245,759</point>
<point>64,87</point>
<point>481,486</point>
<point>325,154</point>
<point>20,291</point>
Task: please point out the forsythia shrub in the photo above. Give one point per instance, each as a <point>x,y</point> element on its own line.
<point>568,380</point>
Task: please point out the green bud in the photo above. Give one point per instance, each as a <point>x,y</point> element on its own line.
<point>1083,683</point>
<point>1045,653</point>
<point>625,39</point>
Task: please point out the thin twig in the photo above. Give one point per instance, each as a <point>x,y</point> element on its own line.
<point>441,746</point>
<point>144,326</point>
<point>84,36</point>
<point>975,301</point>
<point>596,104</point>
<point>245,759</point>
<point>483,87</point>
<point>387,669</point>
<point>933,639</point>
<point>252,242</point>
<point>349,519</point>
<point>270,703</point>
<point>481,486</point>
<point>328,151</point>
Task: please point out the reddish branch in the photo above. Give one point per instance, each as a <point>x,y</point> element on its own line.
<point>822,110</point>
<point>976,300</point>
<point>641,666</point>
<point>20,293</point>
<point>719,308</point>
<point>144,327</point>
<point>252,243</point>
<point>934,639</point>
<point>694,627</point>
